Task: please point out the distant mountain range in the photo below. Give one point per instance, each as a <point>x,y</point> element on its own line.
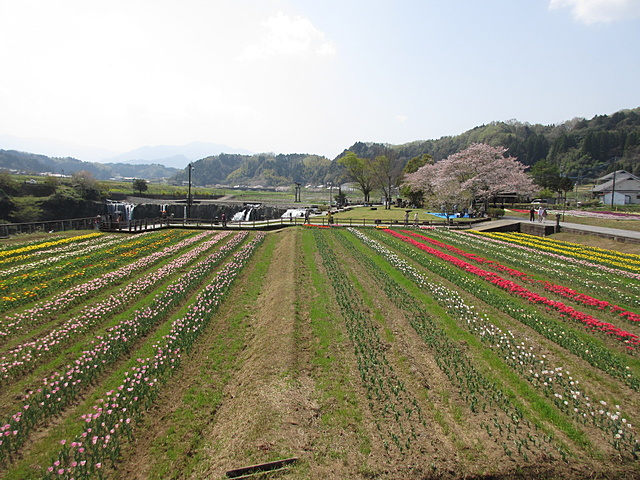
<point>576,148</point>
<point>34,155</point>
<point>33,164</point>
<point>176,156</point>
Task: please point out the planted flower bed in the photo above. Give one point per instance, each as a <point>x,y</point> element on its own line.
<point>398,354</point>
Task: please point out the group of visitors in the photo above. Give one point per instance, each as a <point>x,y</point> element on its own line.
<point>541,213</point>
<point>406,219</point>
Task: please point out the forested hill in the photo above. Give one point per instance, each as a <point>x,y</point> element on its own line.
<point>31,163</point>
<point>575,147</point>
<point>265,169</point>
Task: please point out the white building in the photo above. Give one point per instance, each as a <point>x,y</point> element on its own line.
<point>623,186</point>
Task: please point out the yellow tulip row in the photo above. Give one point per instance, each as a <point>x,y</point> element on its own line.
<point>40,246</point>
<point>624,261</point>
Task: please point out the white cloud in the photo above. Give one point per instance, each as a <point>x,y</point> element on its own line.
<point>401,118</point>
<point>599,11</point>
<point>287,36</point>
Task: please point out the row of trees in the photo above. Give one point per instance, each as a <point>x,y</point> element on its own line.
<point>370,174</point>
<point>572,149</point>
<point>472,177</point>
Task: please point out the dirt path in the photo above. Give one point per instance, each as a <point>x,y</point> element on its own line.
<point>269,402</point>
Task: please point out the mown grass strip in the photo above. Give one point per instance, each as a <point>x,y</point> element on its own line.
<point>340,407</point>
<point>179,450</point>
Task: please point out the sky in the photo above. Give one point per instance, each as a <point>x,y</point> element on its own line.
<point>307,76</point>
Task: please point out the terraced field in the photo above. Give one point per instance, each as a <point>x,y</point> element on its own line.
<point>362,353</point>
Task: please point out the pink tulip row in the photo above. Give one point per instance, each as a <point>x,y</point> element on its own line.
<point>558,289</point>
<point>56,305</point>
<point>59,389</point>
<point>113,416</point>
<point>603,214</point>
<point>590,322</point>
<point>23,357</point>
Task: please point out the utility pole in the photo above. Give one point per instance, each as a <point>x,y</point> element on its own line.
<point>189,198</point>
<point>613,188</point>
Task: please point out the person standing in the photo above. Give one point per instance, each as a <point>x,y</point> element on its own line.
<point>532,214</point>
<point>415,219</point>
<point>540,212</point>
<point>223,217</point>
<point>406,219</point>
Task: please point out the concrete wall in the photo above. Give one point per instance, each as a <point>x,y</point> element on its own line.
<point>206,211</point>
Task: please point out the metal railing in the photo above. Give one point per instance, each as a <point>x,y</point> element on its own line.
<point>8,229</point>
<point>145,224</point>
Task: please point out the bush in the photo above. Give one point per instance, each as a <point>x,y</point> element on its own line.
<point>495,212</point>
<point>26,209</point>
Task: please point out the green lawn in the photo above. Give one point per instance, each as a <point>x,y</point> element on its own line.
<point>393,214</point>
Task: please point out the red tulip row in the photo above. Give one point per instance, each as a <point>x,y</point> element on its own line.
<point>558,289</point>
<point>613,285</point>
<point>525,356</point>
<point>590,322</point>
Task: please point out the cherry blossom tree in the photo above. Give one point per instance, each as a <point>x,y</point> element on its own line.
<point>476,174</point>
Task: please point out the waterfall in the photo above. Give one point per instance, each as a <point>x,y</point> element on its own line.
<point>242,215</point>
<point>294,213</point>
<point>128,209</point>
<point>124,209</point>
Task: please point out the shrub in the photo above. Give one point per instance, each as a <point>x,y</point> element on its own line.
<point>495,212</point>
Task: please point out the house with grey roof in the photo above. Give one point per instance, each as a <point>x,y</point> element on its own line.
<point>620,186</point>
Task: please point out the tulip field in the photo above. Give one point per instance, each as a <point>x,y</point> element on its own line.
<point>360,352</point>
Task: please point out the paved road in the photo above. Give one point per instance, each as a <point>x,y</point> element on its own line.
<point>604,231</point>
